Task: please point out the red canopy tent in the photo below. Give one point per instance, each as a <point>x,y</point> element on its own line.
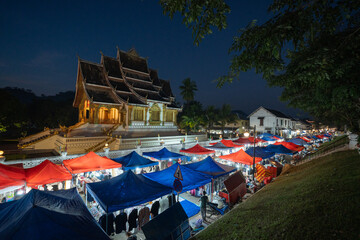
<point>90,162</point>
<point>291,146</point>
<point>197,149</point>
<point>243,141</point>
<point>227,143</point>
<point>305,139</point>
<point>257,140</point>
<point>319,136</point>
<point>241,157</point>
<point>12,172</point>
<point>45,173</point>
<point>9,182</point>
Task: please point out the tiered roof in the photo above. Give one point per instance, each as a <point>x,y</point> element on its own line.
<point>124,79</point>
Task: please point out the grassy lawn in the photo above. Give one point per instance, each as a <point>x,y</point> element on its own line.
<point>316,200</point>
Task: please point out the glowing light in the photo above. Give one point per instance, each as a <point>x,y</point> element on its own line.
<point>246,134</point>
<point>20,192</point>
<point>1,153</point>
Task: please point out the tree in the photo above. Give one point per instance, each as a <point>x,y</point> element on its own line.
<point>310,48</point>
<point>190,118</point>
<point>188,89</point>
<point>226,116</point>
<point>210,117</point>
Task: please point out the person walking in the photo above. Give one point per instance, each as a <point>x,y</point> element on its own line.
<point>203,201</point>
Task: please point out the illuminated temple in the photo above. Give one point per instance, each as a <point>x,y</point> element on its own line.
<point>124,91</point>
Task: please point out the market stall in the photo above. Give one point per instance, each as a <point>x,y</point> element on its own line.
<point>126,190</point>
<point>133,160</point>
<point>48,215</point>
<point>45,173</point>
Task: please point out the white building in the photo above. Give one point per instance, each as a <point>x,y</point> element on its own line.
<point>271,121</point>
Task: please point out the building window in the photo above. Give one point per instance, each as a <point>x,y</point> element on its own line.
<point>169,116</point>
<point>281,122</point>
<point>138,115</point>
<point>261,121</point>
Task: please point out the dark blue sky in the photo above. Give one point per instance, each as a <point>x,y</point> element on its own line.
<point>41,39</point>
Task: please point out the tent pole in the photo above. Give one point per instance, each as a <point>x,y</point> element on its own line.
<point>86,197</point>
<point>212,189</point>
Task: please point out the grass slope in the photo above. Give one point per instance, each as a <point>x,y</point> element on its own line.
<point>316,200</point>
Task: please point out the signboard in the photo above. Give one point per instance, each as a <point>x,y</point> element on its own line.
<point>177,185</point>
<point>178,174</point>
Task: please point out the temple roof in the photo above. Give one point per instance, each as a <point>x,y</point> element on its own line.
<point>93,73</point>
<point>125,79</point>
<point>112,67</point>
<point>103,95</point>
<point>132,61</point>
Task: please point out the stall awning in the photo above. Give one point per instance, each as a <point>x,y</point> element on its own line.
<point>49,215</point>
<point>126,190</point>
<point>6,182</point>
<point>134,160</point>
<point>278,149</point>
<point>291,146</point>
<point>164,154</point>
<point>298,141</point>
<point>259,152</point>
<point>241,157</point>
<point>242,141</point>
<point>191,178</point>
<point>197,149</point>
<point>211,167</point>
<point>12,172</point>
<point>45,173</point>
<point>219,146</point>
<point>89,162</point>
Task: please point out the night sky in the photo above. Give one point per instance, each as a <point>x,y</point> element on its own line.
<point>40,41</point>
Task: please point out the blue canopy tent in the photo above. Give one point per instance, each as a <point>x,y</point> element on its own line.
<point>259,152</point>
<point>211,167</point>
<point>126,190</point>
<point>165,154</point>
<point>278,149</point>
<point>134,160</point>
<point>191,178</point>
<point>298,141</point>
<point>49,215</point>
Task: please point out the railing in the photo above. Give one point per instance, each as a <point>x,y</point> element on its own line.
<point>28,163</point>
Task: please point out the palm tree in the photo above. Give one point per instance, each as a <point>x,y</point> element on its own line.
<point>188,89</point>
<point>190,123</point>
<point>226,116</point>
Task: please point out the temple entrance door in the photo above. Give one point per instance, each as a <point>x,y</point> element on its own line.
<point>106,116</point>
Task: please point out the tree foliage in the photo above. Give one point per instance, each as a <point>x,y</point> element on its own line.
<point>199,15</point>
<point>188,89</point>
<point>310,48</point>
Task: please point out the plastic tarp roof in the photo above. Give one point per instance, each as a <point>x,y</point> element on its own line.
<point>46,172</point>
<point>298,141</point>
<point>6,182</point>
<point>219,146</point>
<point>257,140</point>
<point>134,160</point>
<point>269,139</point>
<point>259,152</point>
<point>241,157</point>
<point>306,139</point>
<point>165,224</point>
<point>242,141</point>
<point>279,149</point>
<point>164,154</point>
<point>49,215</point>
<point>191,178</point>
<point>229,143</point>
<point>12,172</point>
<point>126,190</point>
<point>291,146</point>
<point>89,162</point>
<point>211,167</point>
<point>197,149</point>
